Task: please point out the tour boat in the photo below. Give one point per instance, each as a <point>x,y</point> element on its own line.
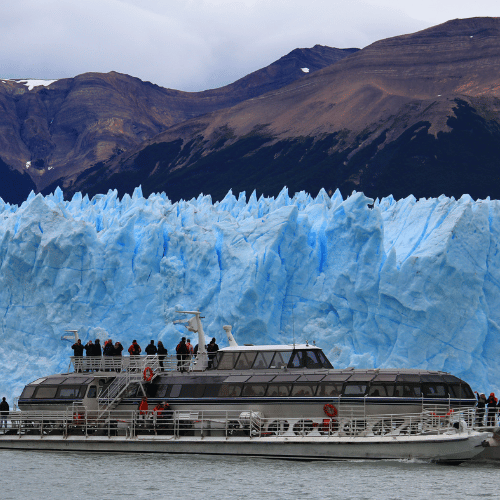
<point>278,401</point>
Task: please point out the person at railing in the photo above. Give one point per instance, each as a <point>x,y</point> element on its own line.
<point>151,349</point>
<point>89,348</point>
<point>212,349</point>
<point>134,349</point>
<point>97,348</point>
<point>4,412</point>
<point>118,349</point>
<point>189,347</point>
<point>109,349</point>
<point>481,408</point>
<point>162,352</point>
<point>162,415</point>
<point>143,408</point>
<point>78,353</point>
<point>182,354</point>
<point>491,403</point>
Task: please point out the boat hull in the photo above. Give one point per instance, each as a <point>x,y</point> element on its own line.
<point>438,448</point>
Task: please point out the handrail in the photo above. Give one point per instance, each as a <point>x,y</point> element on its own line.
<point>77,420</point>
<point>83,364</point>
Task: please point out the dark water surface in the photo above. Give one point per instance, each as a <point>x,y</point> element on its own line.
<point>53,475</point>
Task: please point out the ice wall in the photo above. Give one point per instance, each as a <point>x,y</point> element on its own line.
<point>376,284</point>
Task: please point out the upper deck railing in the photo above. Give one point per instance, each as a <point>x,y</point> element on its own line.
<point>130,363</point>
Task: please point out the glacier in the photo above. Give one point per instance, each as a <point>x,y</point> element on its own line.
<point>375,283</point>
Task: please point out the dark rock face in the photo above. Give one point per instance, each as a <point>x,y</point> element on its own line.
<point>416,114</point>
<point>52,134</point>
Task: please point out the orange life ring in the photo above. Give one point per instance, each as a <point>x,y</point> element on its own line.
<point>330,410</point>
<point>148,374</point>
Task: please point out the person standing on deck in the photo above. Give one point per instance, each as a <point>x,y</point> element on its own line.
<point>151,349</point>
<point>491,403</point>
<point>162,352</point>
<point>4,412</point>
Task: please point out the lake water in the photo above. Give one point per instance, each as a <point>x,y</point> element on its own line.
<point>53,475</point>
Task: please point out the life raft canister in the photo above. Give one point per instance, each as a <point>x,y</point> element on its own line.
<point>330,410</point>
<point>147,374</point>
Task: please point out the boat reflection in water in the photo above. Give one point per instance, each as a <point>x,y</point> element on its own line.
<point>283,401</point>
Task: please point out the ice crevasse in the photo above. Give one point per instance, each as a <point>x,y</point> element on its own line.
<point>384,283</point>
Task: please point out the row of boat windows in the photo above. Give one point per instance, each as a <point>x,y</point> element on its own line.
<point>429,390</point>
<point>54,392</point>
<point>262,360</point>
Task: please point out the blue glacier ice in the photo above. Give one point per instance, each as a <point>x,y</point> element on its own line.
<point>384,283</point>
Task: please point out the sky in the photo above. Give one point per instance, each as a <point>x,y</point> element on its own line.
<point>195,45</point>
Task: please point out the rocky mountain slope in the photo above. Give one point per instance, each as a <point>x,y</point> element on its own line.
<point>414,114</point>
<point>50,134</point>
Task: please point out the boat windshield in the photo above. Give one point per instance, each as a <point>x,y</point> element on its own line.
<point>264,360</point>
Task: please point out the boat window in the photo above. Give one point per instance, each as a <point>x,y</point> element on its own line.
<point>229,391</point>
<point>386,377</point>
<point>303,390</point>
<point>38,381</point>
<point>311,360</point>
<point>461,391</point>
<point>278,390</point>
<point>362,377</point>
<point>432,377</point>
<point>354,389</point>
<point>70,392</point>
<point>161,392</point>
<point>78,380</point>
<point>28,392</point>
<point>286,378</point>
<point>329,390</point>
<point>92,392</point>
<point>176,390</point>
<point>192,390</point>
<point>296,361</point>
<point>409,377</point>
<point>45,392</point>
<point>260,379</point>
<point>254,390</point>
<point>281,359</point>
<point>310,378</point>
<point>323,359</point>
<point>407,391</point>
<point>227,360</point>
<point>337,377</point>
<point>377,390</point>
<point>434,391</point>
<point>211,391</point>
<point>131,391</point>
<point>236,379</point>
<point>263,360</point>
<point>245,361</point>
<point>54,380</point>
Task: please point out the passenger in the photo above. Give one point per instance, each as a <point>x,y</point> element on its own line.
<point>118,349</point>
<point>151,349</point>
<point>195,350</point>
<point>97,348</point>
<point>162,415</point>
<point>189,347</point>
<point>89,348</point>
<point>212,349</point>
<point>109,349</point>
<point>143,408</point>
<point>162,352</point>
<point>78,348</point>
<point>4,412</point>
<point>491,403</point>
<point>481,408</point>
<point>135,348</point>
<point>182,354</point>
<point>78,353</point>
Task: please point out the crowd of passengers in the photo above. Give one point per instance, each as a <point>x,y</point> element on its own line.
<point>184,350</point>
<point>487,409</point>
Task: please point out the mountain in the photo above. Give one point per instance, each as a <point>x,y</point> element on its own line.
<point>413,114</point>
<point>51,132</point>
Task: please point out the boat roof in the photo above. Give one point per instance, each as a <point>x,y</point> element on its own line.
<point>279,347</point>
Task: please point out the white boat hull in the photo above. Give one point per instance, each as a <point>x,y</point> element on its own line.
<point>437,448</point>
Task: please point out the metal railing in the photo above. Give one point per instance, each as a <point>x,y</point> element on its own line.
<point>235,423</point>
<point>130,363</point>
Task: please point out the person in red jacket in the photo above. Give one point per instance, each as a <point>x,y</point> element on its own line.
<point>491,403</point>
<point>143,408</point>
<point>135,348</point>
